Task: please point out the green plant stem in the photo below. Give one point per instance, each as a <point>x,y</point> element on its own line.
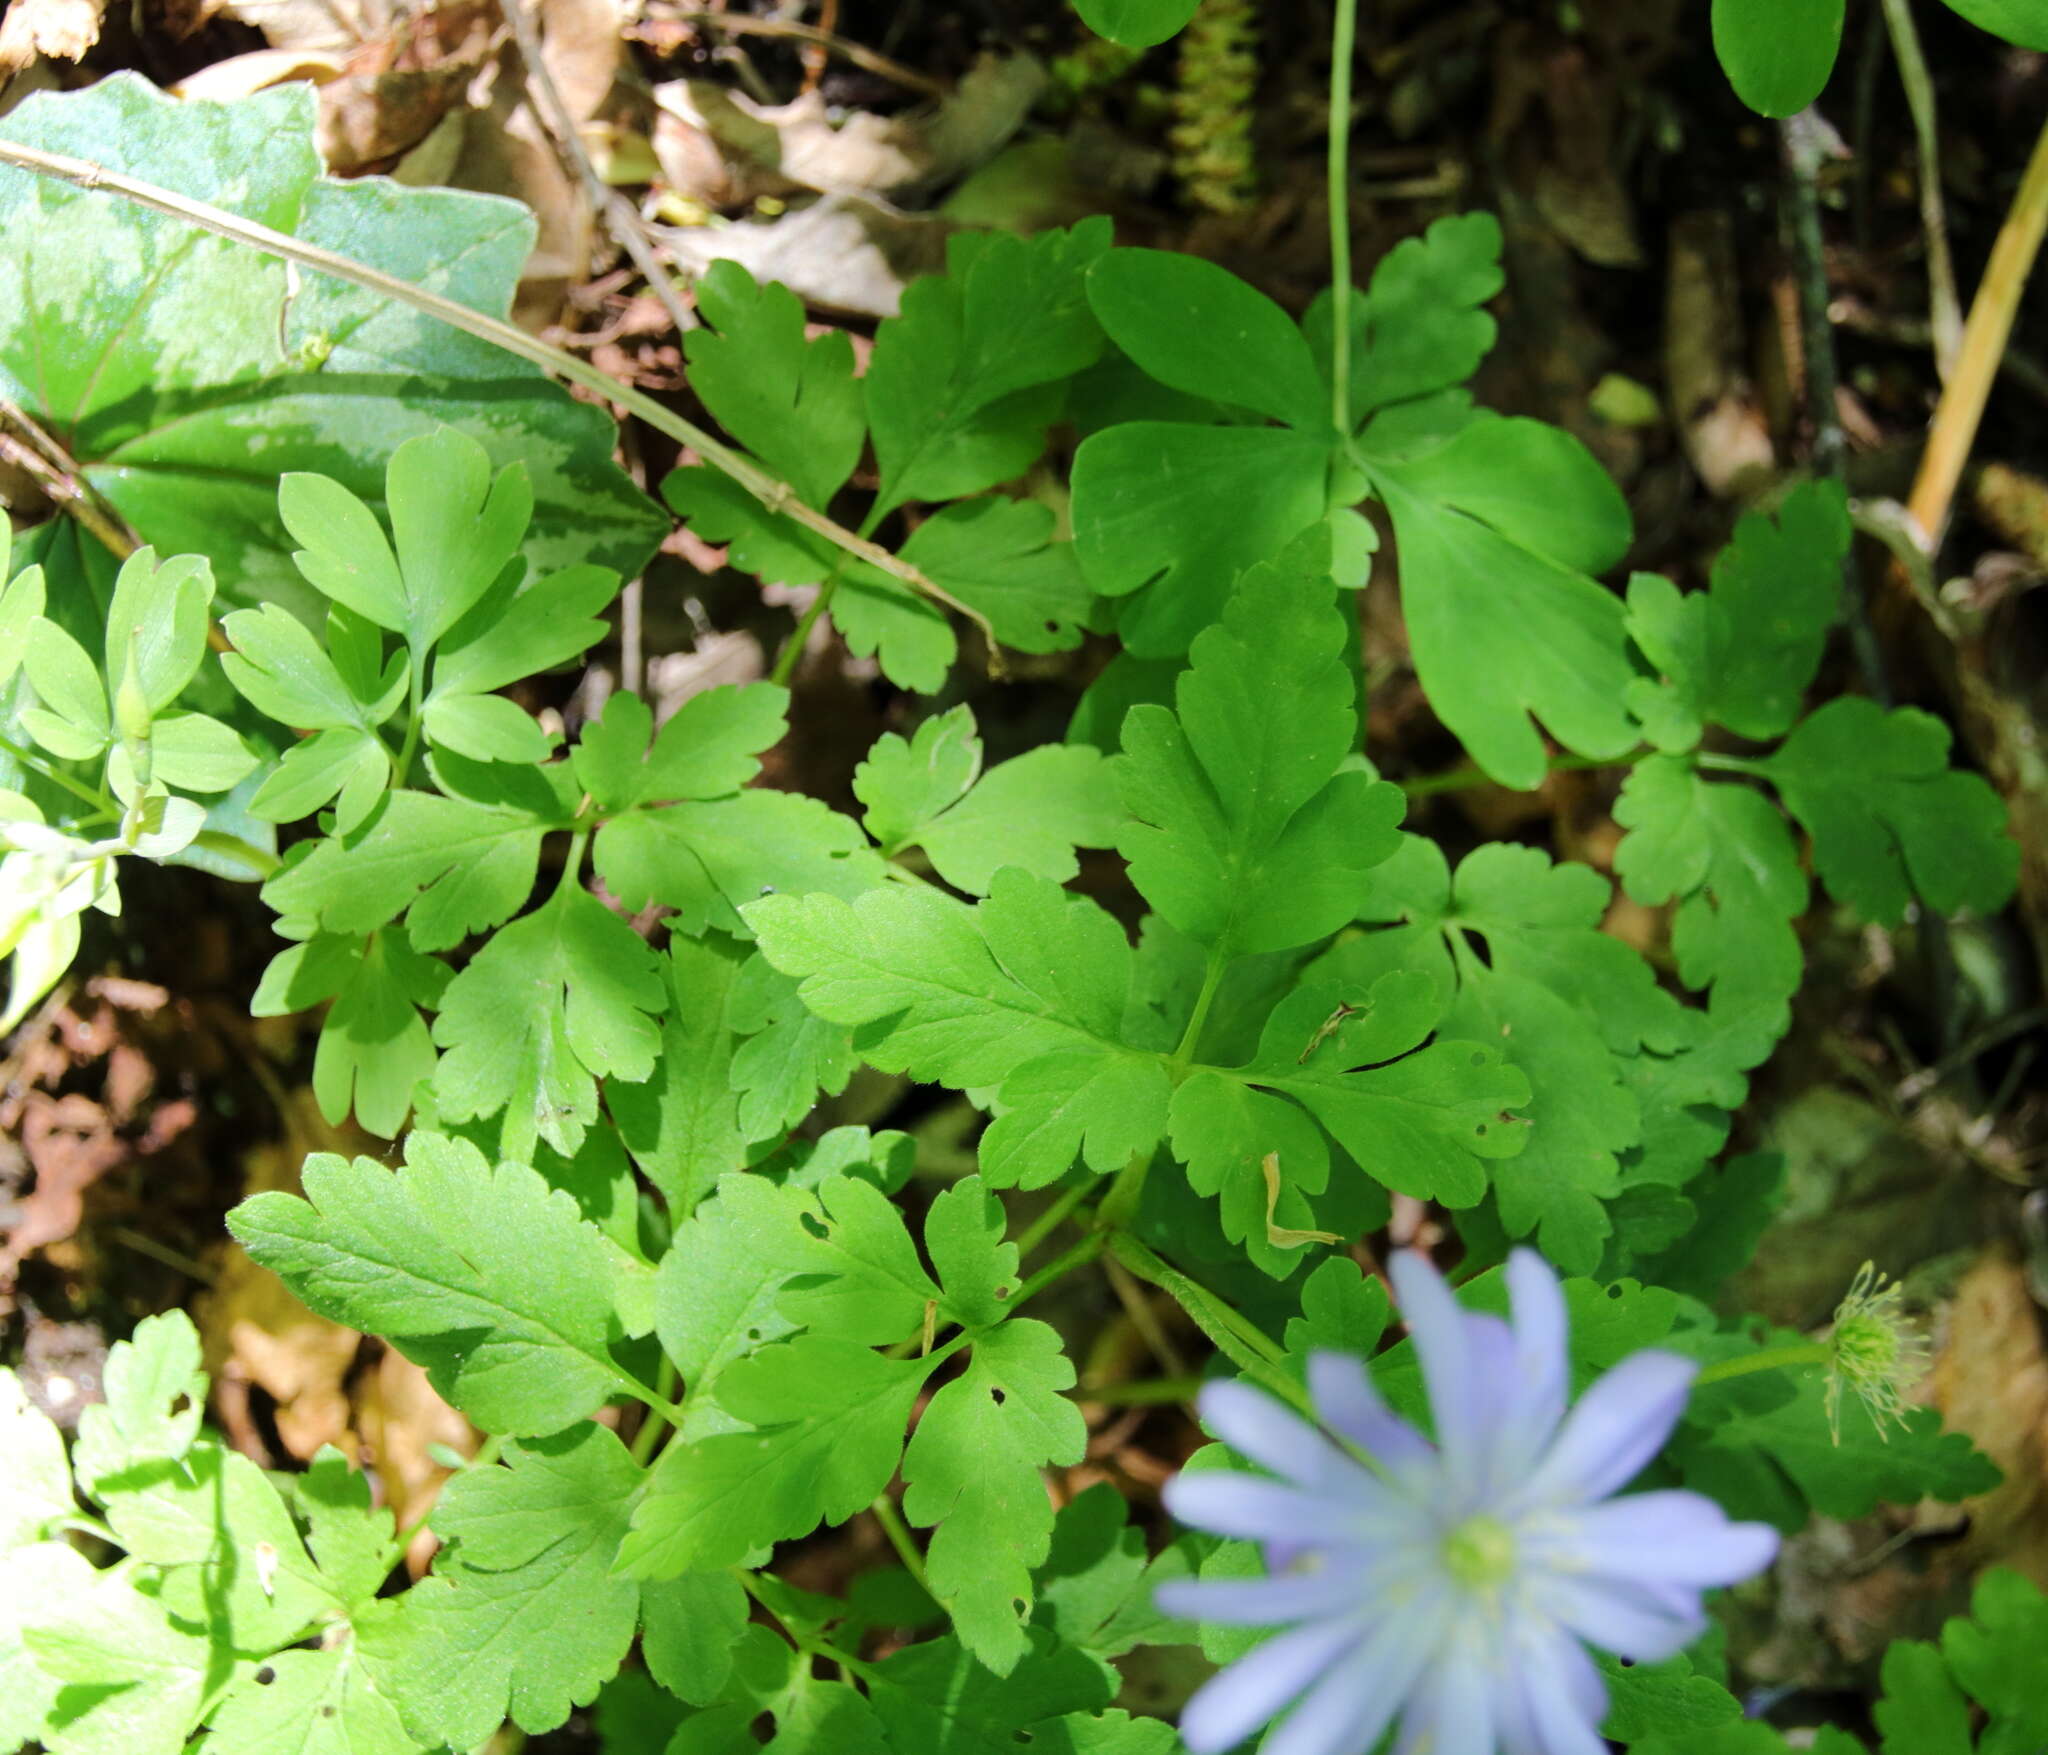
<point>777,496</point>
<point>1050,1220</point>
<point>1061,1265</point>
<point>1151,1392</point>
<point>1768,1359</point>
<point>792,651</point>
<point>1732,764</point>
<point>1343,48</point>
<point>37,764</point>
<point>1191,1037</point>
<point>572,865</point>
<point>415,725</point>
<point>809,1644</point>
<point>1120,1205</point>
<point>1257,1355</point>
<point>652,1430</point>
<point>898,1532</point>
<point>1945,308</point>
<point>1464,779</point>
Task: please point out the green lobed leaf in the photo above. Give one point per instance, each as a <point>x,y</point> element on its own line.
<point>155,1394</point>
<point>1137,23</point>
<point>484,1275</point>
<point>1923,1712</point>
<point>557,1000</point>
<point>1993,1654</point>
<point>307,1703</point>
<point>962,385</point>
<point>35,1479</point>
<point>522,1617</point>
<point>972,1469</point>
<point>1889,818</point>
<point>1252,833</point>
<point>2017,21</point>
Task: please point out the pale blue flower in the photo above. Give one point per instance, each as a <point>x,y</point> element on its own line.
<point>1452,1585</point>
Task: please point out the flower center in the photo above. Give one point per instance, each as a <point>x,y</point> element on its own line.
<point>1480,1553</point>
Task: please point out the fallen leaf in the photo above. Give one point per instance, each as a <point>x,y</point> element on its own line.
<point>58,30</point>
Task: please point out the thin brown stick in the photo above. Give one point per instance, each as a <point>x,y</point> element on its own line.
<point>777,496</point>
<point>1961,409</point>
<point>843,47</point>
<point>60,477</point>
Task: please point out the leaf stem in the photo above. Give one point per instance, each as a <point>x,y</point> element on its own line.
<point>1765,1359</point>
<point>1149,1392</point>
<point>653,1429</point>
<point>1253,1352</point>
<point>1343,48</point>
<point>486,1455</point>
<point>1120,1205</point>
<point>898,1532</point>
<point>792,651</point>
<point>778,496</point>
<point>415,727</point>
<point>1732,764</point>
<point>1463,779</point>
<point>1049,1221</point>
<point>38,764</point>
<point>1191,1037</point>
<point>1082,1253</point>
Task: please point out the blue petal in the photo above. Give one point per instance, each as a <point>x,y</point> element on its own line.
<point>1553,1700</point>
<point>1452,1713</point>
<point>1639,1621</point>
<point>1444,1343</point>
<point>1617,1427</point>
<point>1228,1708</point>
<point>1347,1401</point>
<point>1541,1373</point>
<point>1262,1602</point>
<point>1669,1537</point>
<point>1256,1510</point>
<point>1255,1425</point>
<point>1348,1709</point>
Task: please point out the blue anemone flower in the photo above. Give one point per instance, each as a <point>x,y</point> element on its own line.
<point>1453,1585</point>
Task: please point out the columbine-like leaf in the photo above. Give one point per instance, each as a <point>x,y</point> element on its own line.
<point>1030,812</point>
<point>1741,653</point>
<point>973,1469</point>
<point>35,1480</point>
<point>556,1001</point>
<point>485,1276</point>
<point>308,1703</point>
<point>963,384</point>
<point>1137,23</point>
<point>1777,56</point>
<point>1248,838</point>
<point>1888,816</point>
<point>155,1395</point>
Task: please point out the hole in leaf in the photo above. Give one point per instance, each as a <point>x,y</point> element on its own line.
<point>1003,1293</point>
<point>265,1676</point>
<point>997,1396</point>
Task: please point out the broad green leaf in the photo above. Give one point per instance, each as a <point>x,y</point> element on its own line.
<point>35,1480</point>
<point>156,625</point>
<point>522,1618</point>
<point>938,1699</point>
<point>349,1538</point>
<point>1418,1120</point>
<point>962,385</point>
<point>349,768</point>
<point>307,1703</point>
<point>1422,325</point>
<point>134,1681</point>
<point>709,747</point>
<point>556,1001</point>
<point>512,634</point>
<point>187,373</point>
<point>690,1627</point>
<point>1994,1651</point>
<point>1777,53</point>
<point>1227,1133</point>
<point>22,600</point>
<point>1646,1698</point>
<point>1197,328</point>
<point>828,1419</point>
<point>1031,811</point>
<point>1247,837</point>
<point>790,1056</point>
<point>1000,557</point>
<point>192,751</point>
<point>485,1276</point>
<point>1727,857</point>
<point>1095,1588</point>
<point>972,1469</point>
<point>772,1680</point>
<point>76,726</point>
<point>374,1046</point>
<point>228,1550</point>
<point>1180,511</point>
<point>485,728</point>
<point>1889,818</point>
<point>155,1395</point>
<point>793,403</point>
<point>1498,530</point>
<point>38,1575</point>
<point>682,1123</point>
<point>1742,652</point>
<point>283,671</point>
<point>2017,21</point>
<point>1923,1712</point>
<point>449,865</point>
<point>1026,992</point>
<point>1136,23</point>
